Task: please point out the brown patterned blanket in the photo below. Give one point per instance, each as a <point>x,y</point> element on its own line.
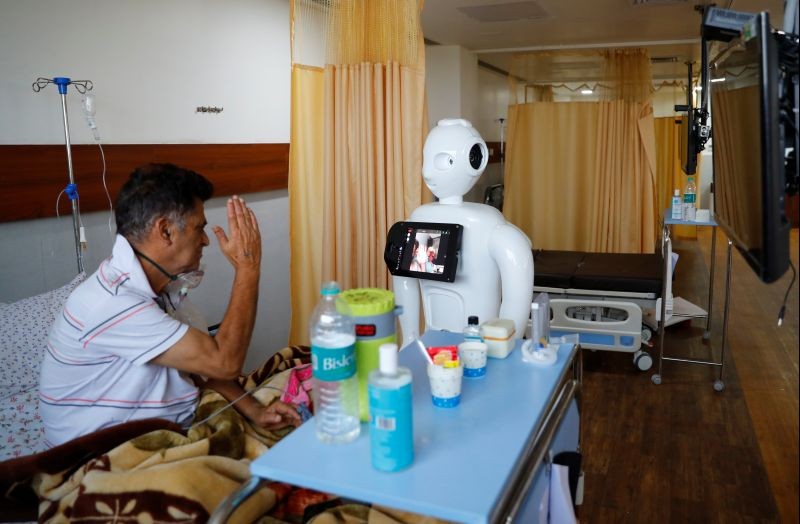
<point>151,471</point>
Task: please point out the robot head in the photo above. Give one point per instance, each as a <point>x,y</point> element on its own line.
<point>454,157</point>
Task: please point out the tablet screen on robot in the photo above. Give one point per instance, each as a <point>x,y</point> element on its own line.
<point>424,250</point>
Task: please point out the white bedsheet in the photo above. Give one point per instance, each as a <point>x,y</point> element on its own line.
<point>24,326</point>
<point>20,425</point>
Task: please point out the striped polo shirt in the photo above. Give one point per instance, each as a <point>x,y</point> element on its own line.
<point>96,370</point>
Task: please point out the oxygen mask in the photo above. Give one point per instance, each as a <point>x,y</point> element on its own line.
<point>184,282</point>
<point>178,304</point>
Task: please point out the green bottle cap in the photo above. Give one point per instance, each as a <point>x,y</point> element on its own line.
<point>367,302</point>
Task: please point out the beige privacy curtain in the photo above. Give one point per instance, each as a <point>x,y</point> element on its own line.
<point>581,175</point>
<point>357,170</point>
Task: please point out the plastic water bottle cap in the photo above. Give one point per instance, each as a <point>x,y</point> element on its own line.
<point>472,320</point>
<point>330,288</point>
<point>387,354</point>
<point>677,193</point>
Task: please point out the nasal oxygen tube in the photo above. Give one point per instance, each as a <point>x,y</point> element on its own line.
<point>302,410</point>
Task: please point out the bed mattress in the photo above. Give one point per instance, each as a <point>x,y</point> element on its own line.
<point>628,272</point>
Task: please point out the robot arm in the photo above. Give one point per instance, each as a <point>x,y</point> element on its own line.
<point>511,250</point>
<point>406,293</point>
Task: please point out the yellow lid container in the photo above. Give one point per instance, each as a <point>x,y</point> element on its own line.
<point>498,334</point>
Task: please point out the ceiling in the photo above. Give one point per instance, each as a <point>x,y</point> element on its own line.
<point>495,29</point>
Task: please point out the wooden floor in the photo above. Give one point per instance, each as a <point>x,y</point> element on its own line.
<point>679,451</point>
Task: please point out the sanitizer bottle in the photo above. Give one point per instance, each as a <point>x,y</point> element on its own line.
<point>391,432</point>
<point>677,206</point>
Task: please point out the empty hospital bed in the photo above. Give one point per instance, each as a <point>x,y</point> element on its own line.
<point>612,300</point>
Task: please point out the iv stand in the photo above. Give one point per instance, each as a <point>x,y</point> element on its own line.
<point>72,188</point>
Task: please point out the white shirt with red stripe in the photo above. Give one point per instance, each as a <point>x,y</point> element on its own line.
<point>96,370</point>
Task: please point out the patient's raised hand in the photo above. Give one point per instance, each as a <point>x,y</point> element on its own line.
<point>243,247</point>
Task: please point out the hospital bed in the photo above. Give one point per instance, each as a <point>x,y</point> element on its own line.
<point>96,476</point>
<point>612,300</point>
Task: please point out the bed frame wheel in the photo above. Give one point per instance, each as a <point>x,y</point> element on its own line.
<point>656,379</point>
<point>719,385</point>
<point>642,360</point>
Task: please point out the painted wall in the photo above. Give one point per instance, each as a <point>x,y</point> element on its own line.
<point>492,106</point>
<point>442,82</point>
<point>152,64</point>
<point>458,88</point>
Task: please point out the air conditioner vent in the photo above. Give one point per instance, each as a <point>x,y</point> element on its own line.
<point>505,12</point>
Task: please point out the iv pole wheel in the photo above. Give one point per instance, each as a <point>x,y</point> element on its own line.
<point>656,379</point>
<point>719,385</point>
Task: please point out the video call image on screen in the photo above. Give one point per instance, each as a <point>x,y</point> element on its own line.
<point>422,251</point>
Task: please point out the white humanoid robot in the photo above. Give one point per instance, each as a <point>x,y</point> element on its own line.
<point>494,278</point>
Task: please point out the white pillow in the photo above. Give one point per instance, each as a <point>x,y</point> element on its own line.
<point>24,326</point>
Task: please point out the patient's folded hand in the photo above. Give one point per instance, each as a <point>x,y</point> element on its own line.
<point>276,416</point>
<point>242,245</point>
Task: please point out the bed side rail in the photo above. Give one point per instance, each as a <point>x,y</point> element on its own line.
<point>607,325</point>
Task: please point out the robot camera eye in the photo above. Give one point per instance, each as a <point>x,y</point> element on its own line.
<point>475,156</point>
<point>443,161</point>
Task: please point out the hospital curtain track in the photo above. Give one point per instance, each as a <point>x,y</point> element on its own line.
<point>358,126</point>
<point>581,175</point>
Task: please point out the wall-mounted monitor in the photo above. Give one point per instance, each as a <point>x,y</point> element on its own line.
<point>748,149</point>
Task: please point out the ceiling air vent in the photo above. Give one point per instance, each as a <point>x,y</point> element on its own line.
<point>663,59</point>
<point>505,12</point>
<point>657,2</point>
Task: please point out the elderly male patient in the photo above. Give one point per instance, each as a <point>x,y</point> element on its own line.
<point>116,355</point>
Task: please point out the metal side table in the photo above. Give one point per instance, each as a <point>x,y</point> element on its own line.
<point>666,246</point>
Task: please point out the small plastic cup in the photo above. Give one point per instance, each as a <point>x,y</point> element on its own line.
<point>445,384</point>
<point>473,356</point>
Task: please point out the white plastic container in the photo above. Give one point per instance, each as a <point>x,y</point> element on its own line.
<point>498,335</point>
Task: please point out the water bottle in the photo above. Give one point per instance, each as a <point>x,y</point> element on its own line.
<point>689,197</point>
<point>333,363</point>
<point>472,331</point>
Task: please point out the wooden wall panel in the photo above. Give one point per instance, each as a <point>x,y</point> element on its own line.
<point>494,151</point>
<point>31,176</point>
